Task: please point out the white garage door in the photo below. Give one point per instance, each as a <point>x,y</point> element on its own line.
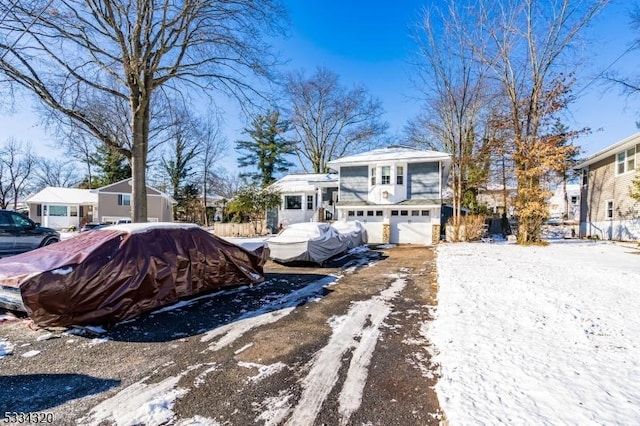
<point>412,227</point>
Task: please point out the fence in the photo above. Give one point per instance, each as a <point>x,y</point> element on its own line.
<point>231,229</point>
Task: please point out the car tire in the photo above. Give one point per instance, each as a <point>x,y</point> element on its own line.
<point>49,241</point>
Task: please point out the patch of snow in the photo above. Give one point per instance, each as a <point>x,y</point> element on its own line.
<point>385,246</point>
<point>62,271</point>
<point>97,341</point>
<point>198,421</point>
<point>6,347</point>
<point>274,410</point>
<point>263,370</point>
<point>538,335</point>
<point>201,378</point>
<point>358,331</point>
<point>30,354</point>
<point>244,348</point>
<point>139,403</point>
<point>267,314</point>
<point>46,336</point>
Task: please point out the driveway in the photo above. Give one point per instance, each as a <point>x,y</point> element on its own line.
<point>341,344</point>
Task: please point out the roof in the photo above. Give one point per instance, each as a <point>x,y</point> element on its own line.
<point>391,153</point>
<point>607,152</point>
<point>150,190</point>
<point>305,182</point>
<point>55,195</point>
<point>405,203</point>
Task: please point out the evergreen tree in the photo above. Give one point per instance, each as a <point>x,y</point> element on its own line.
<point>253,202</point>
<point>113,167</point>
<point>266,150</point>
<point>179,168</point>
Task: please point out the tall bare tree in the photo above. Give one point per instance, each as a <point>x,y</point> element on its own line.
<point>17,163</point>
<point>213,145</point>
<point>454,86</point>
<point>71,52</point>
<point>55,172</point>
<point>331,120</point>
<point>530,39</point>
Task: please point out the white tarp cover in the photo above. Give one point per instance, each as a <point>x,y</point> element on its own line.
<point>354,231</point>
<point>307,242</point>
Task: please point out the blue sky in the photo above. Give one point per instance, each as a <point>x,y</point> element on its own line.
<point>368,42</point>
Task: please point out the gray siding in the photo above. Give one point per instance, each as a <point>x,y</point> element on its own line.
<point>423,180</point>
<point>354,185</point>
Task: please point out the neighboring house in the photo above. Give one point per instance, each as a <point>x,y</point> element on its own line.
<point>396,192</point>
<point>557,203</point>
<point>306,197</point>
<point>607,210</point>
<point>66,207</point>
<point>493,196</point>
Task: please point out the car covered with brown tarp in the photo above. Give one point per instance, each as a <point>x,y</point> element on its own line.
<point>116,273</point>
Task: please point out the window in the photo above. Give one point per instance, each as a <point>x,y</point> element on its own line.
<point>124,200</point>
<point>626,161</point>
<point>415,212</point>
<point>400,175</point>
<point>38,209</point>
<point>404,212</point>
<point>369,212</point>
<point>293,202</point>
<point>373,176</point>
<point>378,212</point>
<point>609,209</point>
<point>350,213</point>
<point>386,175</point>
<point>57,211</point>
<point>309,202</point>
<point>21,221</point>
<point>424,212</point>
<point>574,199</point>
<point>394,212</point>
<point>73,211</point>
<point>359,213</point>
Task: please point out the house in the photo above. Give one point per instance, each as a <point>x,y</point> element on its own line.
<point>306,197</point>
<point>607,210</point>
<point>557,203</point>
<point>495,197</point>
<point>70,207</point>
<point>396,192</point>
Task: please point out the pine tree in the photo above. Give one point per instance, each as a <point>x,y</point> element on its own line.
<point>267,149</point>
<point>113,166</point>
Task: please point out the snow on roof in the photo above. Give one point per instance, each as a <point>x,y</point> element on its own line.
<point>55,195</point>
<point>305,182</point>
<point>391,153</point>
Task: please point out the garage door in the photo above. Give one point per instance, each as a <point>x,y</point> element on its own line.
<point>411,227</point>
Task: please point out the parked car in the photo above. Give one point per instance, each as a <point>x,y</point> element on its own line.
<point>118,272</point>
<point>91,226</point>
<point>19,234</point>
<point>307,242</point>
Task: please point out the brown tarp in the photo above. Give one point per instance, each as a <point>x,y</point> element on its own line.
<point>113,274</point>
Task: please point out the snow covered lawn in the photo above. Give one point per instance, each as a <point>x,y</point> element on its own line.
<point>538,335</point>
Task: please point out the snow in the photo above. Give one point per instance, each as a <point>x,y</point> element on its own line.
<point>538,335</point>
<point>138,228</point>
<point>62,271</point>
<point>139,403</point>
<point>6,348</point>
<point>391,153</point>
<point>30,354</point>
<point>264,371</point>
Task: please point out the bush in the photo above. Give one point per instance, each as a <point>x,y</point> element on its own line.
<point>472,228</point>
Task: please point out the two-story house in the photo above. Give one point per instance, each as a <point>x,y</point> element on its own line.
<point>69,207</point>
<point>396,192</point>
<point>607,210</point>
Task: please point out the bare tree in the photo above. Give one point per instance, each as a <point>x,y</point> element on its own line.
<point>453,84</point>
<point>212,148</point>
<point>529,40</point>
<point>57,173</point>
<point>17,163</point>
<point>78,51</point>
<point>331,120</point>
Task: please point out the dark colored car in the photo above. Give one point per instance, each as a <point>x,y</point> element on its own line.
<point>19,234</point>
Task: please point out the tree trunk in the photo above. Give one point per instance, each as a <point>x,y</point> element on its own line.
<point>140,134</point>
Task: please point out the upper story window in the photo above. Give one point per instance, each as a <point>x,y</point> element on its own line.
<point>373,176</point>
<point>626,161</point>
<point>124,199</point>
<point>399,175</point>
<point>386,175</point>
<point>293,202</point>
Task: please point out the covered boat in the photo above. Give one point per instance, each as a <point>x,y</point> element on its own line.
<point>116,273</point>
<point>307,242</point>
